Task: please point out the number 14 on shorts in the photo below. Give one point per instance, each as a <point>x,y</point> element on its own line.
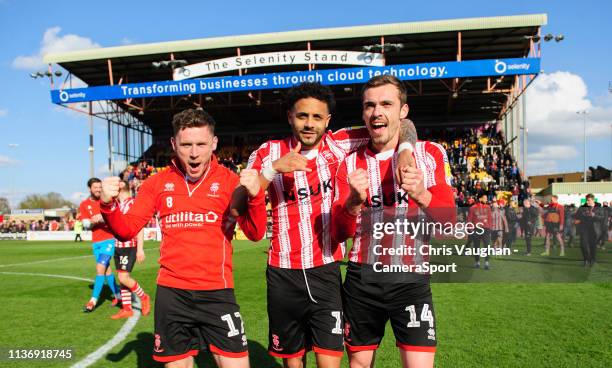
<point>426,316</point>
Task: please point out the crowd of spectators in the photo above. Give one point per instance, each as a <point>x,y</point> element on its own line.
<point>480,164</point>
<point>21,226</point>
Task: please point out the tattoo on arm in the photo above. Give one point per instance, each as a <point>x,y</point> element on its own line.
<point>408,132</point>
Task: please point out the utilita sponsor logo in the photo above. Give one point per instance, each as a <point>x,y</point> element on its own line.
<point>190,219</point>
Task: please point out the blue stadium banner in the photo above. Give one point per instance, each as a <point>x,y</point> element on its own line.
<point>453,69</point>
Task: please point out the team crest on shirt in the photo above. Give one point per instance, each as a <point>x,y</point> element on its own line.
<point>157,347</point>
<point>276,343</point>
<point>169,187</point>
<point>328,156</point>
<point>214,188</point>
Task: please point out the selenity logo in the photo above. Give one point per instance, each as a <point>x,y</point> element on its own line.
<point>65,96</point>
<point>500,67</point>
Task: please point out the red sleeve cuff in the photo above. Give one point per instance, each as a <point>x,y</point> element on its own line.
<point>258,199</point>
<point>108,207</point>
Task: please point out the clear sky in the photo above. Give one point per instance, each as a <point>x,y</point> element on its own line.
<point>44,147</point>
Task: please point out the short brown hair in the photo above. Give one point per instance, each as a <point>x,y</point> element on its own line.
<point>381,80</point>
<point>192,118</point>
<point>590,195</point>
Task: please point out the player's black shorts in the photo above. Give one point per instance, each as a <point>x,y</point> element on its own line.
<point>552,228</point>
<point>188,321</point>
<point>125,259</point>
<point>305,311</point>
<point>368,307</point>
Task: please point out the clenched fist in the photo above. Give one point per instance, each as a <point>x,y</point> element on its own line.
<point>110,189</point>
<point>249,179</point>
<point>412,181</point>
<point>358,183</point>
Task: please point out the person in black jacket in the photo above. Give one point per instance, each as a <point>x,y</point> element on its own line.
<point>528,222</point>
<point>512,219</point>
<point>606,212</point>
<point>590,216</point>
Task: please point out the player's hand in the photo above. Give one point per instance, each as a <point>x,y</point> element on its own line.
<point>110,189</point>
<point>412,181</point>
<point>140,256</point>
<point>404,160</point>
<point>358,183</point>
<point>97,219</point>
<point>292,161</point>
<point>249,179</point>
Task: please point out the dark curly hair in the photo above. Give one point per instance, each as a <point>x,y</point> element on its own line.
<point>310,89</point>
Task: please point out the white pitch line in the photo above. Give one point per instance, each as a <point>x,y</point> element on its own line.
<point>44,261</point>
<point>48,275</point>
<point>53,260</point>
<point>110,344</point>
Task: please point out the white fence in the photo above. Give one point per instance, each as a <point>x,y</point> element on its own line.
<point>149,234</point>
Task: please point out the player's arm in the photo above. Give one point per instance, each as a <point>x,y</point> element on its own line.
<point>405,150</point>
<point>438,198</point>
<point>126,226</point>
<point>253,220</point>
<point>562,217</point>
<point>140,254</point>
<point>350,194</point>
<point>351,139</point>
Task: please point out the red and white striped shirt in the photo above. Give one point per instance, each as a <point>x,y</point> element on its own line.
<point>125,206</point>
<point>498,219</point>
<point>387,201</point>
<point>302,201</point>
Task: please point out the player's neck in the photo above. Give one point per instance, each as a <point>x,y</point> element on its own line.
<point>391,145</point>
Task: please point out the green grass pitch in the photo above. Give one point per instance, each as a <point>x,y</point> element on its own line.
<point>489,322</point>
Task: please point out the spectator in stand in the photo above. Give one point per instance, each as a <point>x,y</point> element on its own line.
<point>143,170</point>
<point>54,226</point>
